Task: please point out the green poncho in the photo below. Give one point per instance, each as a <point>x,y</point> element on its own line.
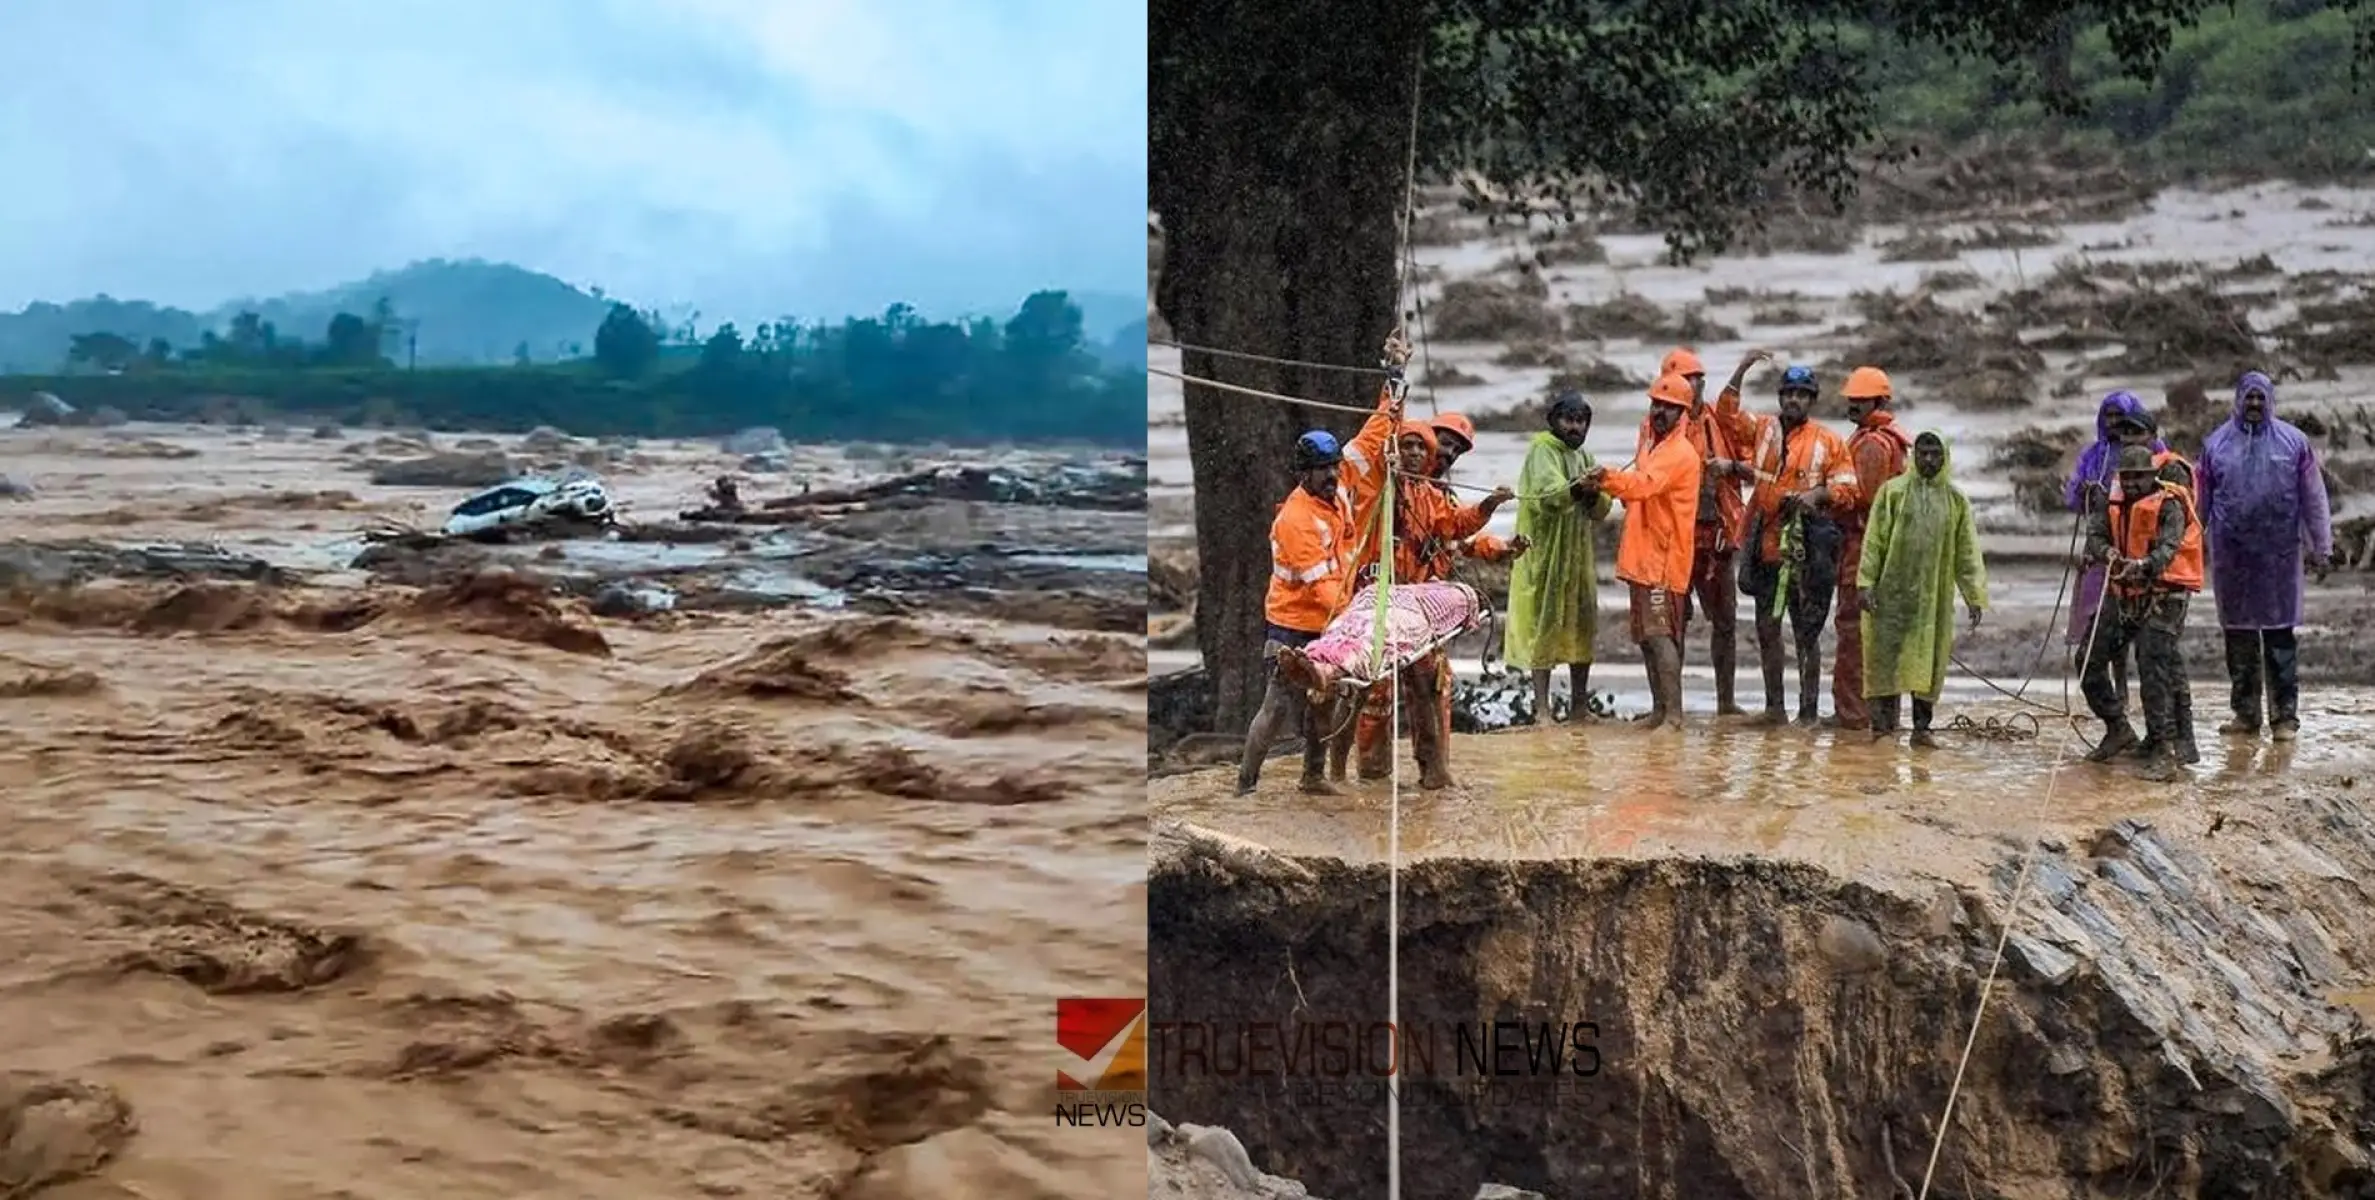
<point>1920,548</point>
<point>1554,594</point>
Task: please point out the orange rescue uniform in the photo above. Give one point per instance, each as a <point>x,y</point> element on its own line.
<point>1876,452</point>
<point>1310,562</point>
<point>1803,459</point>
<point>1431,530</point>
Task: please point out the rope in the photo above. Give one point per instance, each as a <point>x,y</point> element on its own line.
<point>2020,887</point>
<point>1248,356</point>
<point>1385,515</point>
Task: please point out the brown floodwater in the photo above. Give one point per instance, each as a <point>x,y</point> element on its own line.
<point>742,905</point>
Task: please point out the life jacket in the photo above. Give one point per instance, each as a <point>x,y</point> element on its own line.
<point>2135,524</point>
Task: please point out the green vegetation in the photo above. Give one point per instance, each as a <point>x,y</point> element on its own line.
<point>2262,88</point>
<point>893,377</point>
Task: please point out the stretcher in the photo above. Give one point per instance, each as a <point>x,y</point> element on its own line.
<point>1420,618</point>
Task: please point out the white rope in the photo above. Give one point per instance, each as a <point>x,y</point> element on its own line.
<point>1393,850</point>
<point>2020,887</point>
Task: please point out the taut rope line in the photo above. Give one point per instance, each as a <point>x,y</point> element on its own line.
<point>1393,867</point>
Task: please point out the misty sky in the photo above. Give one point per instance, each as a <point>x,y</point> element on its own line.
<point>754,157</point>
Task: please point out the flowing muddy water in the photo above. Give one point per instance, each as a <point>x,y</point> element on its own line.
<point>344,889</point>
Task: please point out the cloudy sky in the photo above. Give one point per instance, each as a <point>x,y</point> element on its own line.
<point>750,157</point>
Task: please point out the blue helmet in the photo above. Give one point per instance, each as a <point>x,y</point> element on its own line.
<point>1799,378</point>
<point>1317,449</point>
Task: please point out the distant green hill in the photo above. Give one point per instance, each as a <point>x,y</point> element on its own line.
<point>454,313</point>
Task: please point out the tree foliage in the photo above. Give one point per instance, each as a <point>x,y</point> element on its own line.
<point>892,377</point>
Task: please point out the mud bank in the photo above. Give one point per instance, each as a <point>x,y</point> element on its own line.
<point>1781,941</point>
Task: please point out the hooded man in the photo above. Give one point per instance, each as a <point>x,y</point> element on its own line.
<point>1429,529</point>
<point>2151,546</point>
<point>1877,451</point>
<point>1554,593</point>
<point>1920,549</point>
<point>1803,477</point>
<point>1310,581</point>
<point>1723,434</point>
<point>2263,495</point>
<point>1661,499</point>
<point>2119,420</point>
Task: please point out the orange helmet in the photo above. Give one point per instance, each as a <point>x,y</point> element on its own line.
<point>1459,426</point>
<point>1671,389</point>
<point>1680,361</point>
<point>1866,383</point>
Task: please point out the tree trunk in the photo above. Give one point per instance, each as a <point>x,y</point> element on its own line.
<point>1279,181</point>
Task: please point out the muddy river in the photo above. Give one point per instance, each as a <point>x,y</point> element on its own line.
<point>345,888</point>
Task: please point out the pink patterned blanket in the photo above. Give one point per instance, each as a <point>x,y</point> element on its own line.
<point>1419,617</point>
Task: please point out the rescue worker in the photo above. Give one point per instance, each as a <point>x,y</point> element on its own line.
<point>1428,530</point>
<point>1661,498</point>
<point>1723,435</point>
<point>2151,547</point>
<point>1921,548</point>
<point>2175,470</point>
<point>2263,496</point>
<point>2119,420</point>
<point>1803,478</point>
<point>1554,591</point>
<point>1310,581</point>
<point>1876,451</point>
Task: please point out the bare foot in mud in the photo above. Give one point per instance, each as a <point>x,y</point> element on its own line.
<point>1318,786</point>
<point>1296,668</point>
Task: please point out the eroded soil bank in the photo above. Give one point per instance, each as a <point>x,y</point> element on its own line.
<point>1781,942</point>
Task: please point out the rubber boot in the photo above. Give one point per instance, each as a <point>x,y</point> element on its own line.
<point>2118,736</point>
<point>2161,767</point>
<point>1724,656</point>
<point>1426,734</point>
<point>2185,749</point>
<point>1579,685</point>
<point>1923,713</point>
<point>2284,691</point>
<point>1315,753</point>
<point>1882,712</point>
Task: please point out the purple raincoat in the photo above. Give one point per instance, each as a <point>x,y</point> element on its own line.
<point>2098,463</point>
<point>2263,500</point>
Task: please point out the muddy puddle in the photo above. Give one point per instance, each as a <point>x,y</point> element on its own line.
<point>352,887</point>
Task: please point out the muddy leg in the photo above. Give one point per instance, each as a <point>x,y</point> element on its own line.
<point>1883,710</point>
<point>1665,675</point>
<point>1847,660</point>
<point>1429,738</point>
<point>2243,676</point>
<point>1373,742</point>
<point>1657,687</point>
<point>1541,697</point>
<point>1316,728</point>
<point>1717,587</point>
<point>1281,703</point>
<point>1579,691</point>
<point>2102,697</point>
<point>1769,661</point>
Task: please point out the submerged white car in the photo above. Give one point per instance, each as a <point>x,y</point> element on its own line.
<point>528,502</point>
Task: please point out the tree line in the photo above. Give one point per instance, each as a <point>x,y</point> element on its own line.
<point>895,376</point>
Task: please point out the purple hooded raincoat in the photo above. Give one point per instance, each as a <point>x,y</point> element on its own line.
<point>2098,463</point>
<point>2263,500</point>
